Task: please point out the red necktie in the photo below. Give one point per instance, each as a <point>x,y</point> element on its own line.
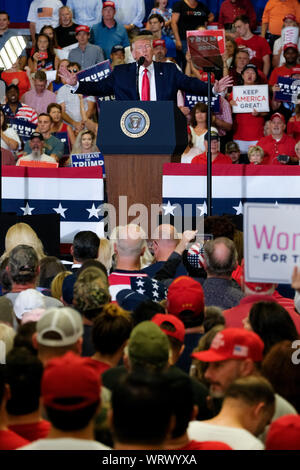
<point>145,86</point>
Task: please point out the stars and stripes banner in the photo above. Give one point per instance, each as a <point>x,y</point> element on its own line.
<point>184,187</point>
<point>76,194</point>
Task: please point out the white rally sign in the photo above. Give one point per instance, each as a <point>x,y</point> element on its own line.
<point>271,242</point>
<point>250,97</point>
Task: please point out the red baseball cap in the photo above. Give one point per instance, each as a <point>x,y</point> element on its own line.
<point>204,77</point>
<point>233,343</point>
<point>185,294</point>
<point>82,27</point>
<point>70,376</point>
<point>290,16</point>
<point>280,116</point>
<point>255,286</point>
<point>290,44</point>
<point>179,332</point>
<point>159,42</point>
<point>284,433</point>
<point>108,4</point>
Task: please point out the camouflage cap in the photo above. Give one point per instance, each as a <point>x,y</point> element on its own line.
<point>91,291</point>
<point>23,260</point>
<point>148,346</point>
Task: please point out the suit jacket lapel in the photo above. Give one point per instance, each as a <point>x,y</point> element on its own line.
<point>159,83</point>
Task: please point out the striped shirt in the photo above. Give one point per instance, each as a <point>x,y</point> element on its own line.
<point>23,111</point>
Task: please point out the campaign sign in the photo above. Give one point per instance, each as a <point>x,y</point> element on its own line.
<point>289,89</point>
<point>95,73</point>
<point>80,160</point>
<point>23,128</point>
<point>206,47</point>
<point>191,100</point>
<point>250,97</point>
<point>271,242</point>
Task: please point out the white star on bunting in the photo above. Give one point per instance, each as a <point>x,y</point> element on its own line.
<point>60,210</point>
<point>239,209</point>
<point>203,209</point>
<point>169,209</point>
<point>93,212</point>
<point>27,209</point>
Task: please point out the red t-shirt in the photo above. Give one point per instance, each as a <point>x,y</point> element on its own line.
<point>293,128</point>
<point>9,440</point>
<point>220,159</point>
<point>32,431</point>
<point>206,445</point>
<point>272,148</point>
<point>248,127</point>
<point>281,71</point>
<point>258,47</point>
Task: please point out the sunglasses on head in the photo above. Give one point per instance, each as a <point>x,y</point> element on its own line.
<point>72,70</point>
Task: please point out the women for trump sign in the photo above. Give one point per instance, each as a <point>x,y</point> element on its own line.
<point>271,242</point>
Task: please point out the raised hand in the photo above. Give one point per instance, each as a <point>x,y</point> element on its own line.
<point>221,85</point>
<point>68,77</point>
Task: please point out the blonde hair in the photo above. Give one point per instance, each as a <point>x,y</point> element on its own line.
<point>255,148</point>
<point>56,284</point>
<point>105,253</point>
<point>22,234</point>
<point>77,148</point>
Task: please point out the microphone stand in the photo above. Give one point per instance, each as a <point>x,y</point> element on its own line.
<point>139,63</point>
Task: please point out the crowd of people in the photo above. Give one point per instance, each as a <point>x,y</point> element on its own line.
<point>139,344</point>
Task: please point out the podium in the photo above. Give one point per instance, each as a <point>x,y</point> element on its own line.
<point>136,139</point>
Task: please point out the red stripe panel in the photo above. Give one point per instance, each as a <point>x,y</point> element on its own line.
<point>185,169</point>
<point>88,172</point>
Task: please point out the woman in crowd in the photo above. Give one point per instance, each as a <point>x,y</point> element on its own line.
<point>49,31</point>
<point>160,8</point>
<point>9,138</point>
<point>248,127</point>
<point>85,142</point>
<point>43,56</point>
<point>231,50</point>
<point>58,83</point>
<point>198,126</point>
<point>58,125</point>
<point>22,234</point>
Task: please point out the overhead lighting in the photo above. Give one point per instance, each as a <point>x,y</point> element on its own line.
<point>11,50</point>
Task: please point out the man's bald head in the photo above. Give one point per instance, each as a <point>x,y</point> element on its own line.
<point>164,241</point>
<point>220,257</point>
<point>130,241</point>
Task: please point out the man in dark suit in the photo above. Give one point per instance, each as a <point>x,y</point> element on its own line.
<point>127,81</point>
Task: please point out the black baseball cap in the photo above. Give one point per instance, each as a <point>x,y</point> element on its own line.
<point>118,48</point>
<point>37,135</point>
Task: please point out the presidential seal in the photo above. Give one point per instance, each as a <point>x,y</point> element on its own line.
<point>135,122</point>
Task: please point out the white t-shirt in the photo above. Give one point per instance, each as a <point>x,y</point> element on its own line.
<point>238,439</point>
<point>198,140</point>
<point>72,102</point>
<point>69,443</point>
<point>11,133</point>
<point>279,44</point>
<point>44,12</point>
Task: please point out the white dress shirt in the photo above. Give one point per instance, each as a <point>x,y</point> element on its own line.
<point>151,76</point>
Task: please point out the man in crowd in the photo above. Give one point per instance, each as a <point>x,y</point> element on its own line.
<point>122,81</point>
<point>52,145</point>
<point>290,54</point>
<point>220,260</point>
<point>41,13</point>
<point>23,374</point>
<point>85,54</point>
<point>85,246</point>
<point>117,55</point>
<point>258,47</point>
<point>233,151</point>
<point>36,144</point>
<point>70,392</point>
<point>230,9</point>
<point>235,353</point>
<point>6,34</point>
<point>23,268</point>
<point>156,24</point>
<point>14,109</point>
<point>278,59</point>
<point>65,32</point>
<point>216,156</point>
<point>274,12</point>
<point>247,408</point>
<point>129,247</point>
<point>278,143</point>
<point>108,33</point>
<point>39,97</point>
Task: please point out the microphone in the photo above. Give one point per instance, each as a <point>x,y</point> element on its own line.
<point>140,62</point>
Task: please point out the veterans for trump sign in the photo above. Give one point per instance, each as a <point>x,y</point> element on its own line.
<point>271,242</point>
<point>250,97</point>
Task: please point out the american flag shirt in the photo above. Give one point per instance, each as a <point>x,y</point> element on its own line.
<point>137,281</point>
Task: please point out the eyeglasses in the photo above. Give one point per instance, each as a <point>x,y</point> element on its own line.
<point>72,70</point>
